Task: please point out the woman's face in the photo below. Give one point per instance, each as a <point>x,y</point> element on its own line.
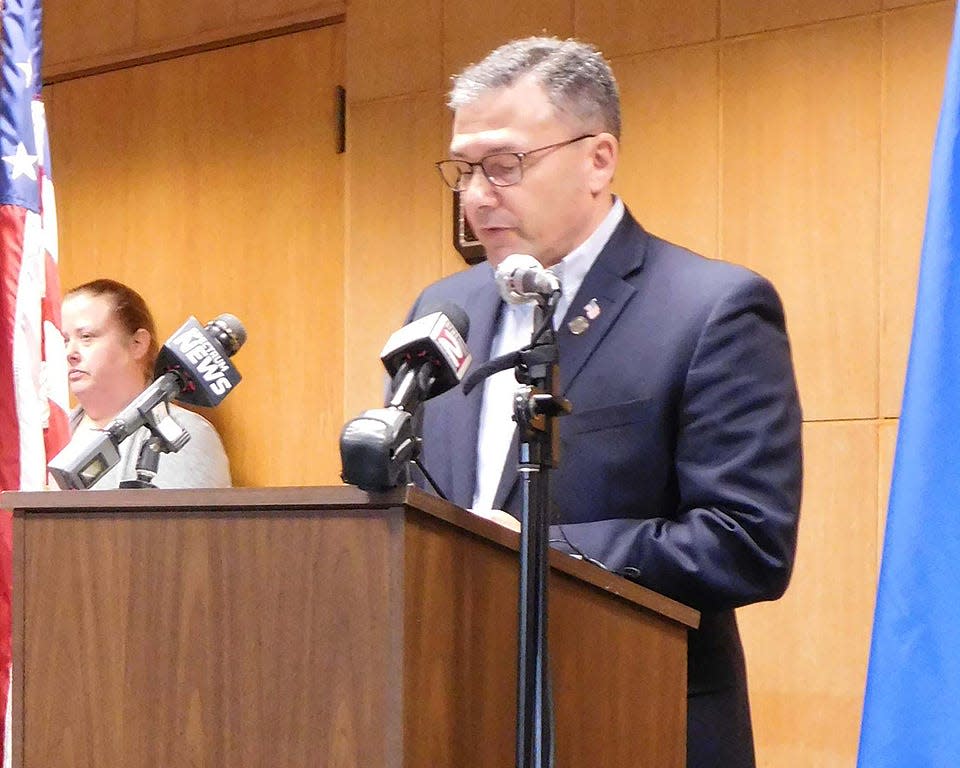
<point>105,362</point>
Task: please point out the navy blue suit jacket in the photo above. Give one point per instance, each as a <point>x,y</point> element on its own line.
<point>680,465</point>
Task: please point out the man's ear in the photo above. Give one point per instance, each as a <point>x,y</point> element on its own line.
<point>606,150</point>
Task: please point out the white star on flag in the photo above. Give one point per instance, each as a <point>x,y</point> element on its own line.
<point>21,164</point>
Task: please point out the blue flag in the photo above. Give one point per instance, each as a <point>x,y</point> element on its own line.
<point>911,711</point>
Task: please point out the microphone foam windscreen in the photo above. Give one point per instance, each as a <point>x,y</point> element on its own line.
<point>228,331</point>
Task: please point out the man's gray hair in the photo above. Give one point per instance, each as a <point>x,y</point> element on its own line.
<point>574,75</point>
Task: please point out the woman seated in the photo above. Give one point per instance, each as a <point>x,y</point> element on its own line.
<point>111,350</point>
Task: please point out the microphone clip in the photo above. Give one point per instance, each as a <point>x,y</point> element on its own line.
<point>533,361</point>
<point>169,434</point>
<point>530,363</point>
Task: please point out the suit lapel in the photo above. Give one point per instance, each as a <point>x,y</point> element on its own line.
<point>622,255</point>
<point>604,284</point>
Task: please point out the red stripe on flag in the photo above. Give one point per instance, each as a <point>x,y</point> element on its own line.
<point>12,220</point>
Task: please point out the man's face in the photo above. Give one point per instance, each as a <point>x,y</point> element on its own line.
<point>555,206</point>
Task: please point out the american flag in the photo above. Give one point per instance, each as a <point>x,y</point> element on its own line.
<point>33,381</point>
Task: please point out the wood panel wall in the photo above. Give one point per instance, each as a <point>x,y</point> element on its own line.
<point>792,136</point>
<point>207,197</point>
<point>85,36</point>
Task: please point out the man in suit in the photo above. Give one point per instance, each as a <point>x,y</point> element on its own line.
<point>680,465</point>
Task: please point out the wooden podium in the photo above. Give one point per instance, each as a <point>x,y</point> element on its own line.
<point>320,628</point>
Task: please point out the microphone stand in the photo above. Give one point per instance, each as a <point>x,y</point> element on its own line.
<point>535,405</point>
<point>166,436</point>
<point>147,463</point>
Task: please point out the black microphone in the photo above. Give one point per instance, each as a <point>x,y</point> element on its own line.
<point>198,356</point>
<point>522,279</point>
<point>424,358</point>
<point>192,367</point>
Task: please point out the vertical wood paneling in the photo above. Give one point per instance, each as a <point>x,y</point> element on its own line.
<point>106,33</point>
<point>740,17</point>
<point>668,171</point>
<point>800,199</point>
<point>915,54</point>
<point>257,9</point>
<point>471,29</point>
<point>807,652</point>
<point>396,51</point>
<point>905,3</point>
<point>623,27</point>
<point>172,19</point>
<point>94,28</point>
<point>394,230</point>
<point>208,197</point>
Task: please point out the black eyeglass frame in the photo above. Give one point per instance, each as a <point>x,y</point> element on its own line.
<point>460,186</point>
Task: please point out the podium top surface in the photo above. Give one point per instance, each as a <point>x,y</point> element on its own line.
<point>306,497</point>
<point>247,501</point>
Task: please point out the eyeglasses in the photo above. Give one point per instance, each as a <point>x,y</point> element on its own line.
<point>502,169</point>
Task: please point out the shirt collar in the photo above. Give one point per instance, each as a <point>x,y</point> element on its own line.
<point>573,268</point>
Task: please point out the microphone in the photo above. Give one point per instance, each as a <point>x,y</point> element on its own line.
<point>198,356</point>
<point>522,279</point>
<point>192,367</point>
<point>425,358</point>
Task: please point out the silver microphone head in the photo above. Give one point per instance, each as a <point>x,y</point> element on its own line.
<point>521,279</point>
